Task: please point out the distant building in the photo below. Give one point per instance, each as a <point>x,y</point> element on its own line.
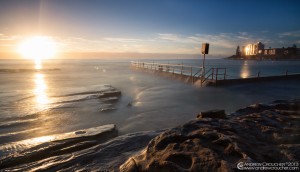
<point>254,49</point>
<point>258,49</point>
<point>270,51</point>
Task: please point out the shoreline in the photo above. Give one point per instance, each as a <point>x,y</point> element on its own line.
<point>259,58</point>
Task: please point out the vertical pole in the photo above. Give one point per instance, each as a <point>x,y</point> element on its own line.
<point>181,68</point>
<point>217,74</point>
<point>203,69</point>
<point>225,74</point>
<point>152,64</point>
<point>258,73</point>
<point>203,65</point>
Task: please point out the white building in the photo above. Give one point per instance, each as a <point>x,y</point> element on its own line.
<point>254,49</point>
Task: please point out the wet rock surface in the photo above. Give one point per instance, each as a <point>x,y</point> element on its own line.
<point>258,133</point>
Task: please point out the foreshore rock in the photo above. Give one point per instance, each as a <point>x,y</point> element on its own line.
<point>258,133</point>
<point>212,114</point>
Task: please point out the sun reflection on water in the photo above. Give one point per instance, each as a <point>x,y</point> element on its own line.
<point>40,90</point>
<point>245,72</point>
<point>42,139</point>
<point>38,64</point>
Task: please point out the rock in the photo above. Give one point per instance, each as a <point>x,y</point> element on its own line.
<point>212,114</point>
<point>107,94</point>
<point>264,134</point>
<point>108,99</point>
<point>107,109</point>
<point>130,165</point>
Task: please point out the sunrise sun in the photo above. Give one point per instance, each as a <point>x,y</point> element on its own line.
<point>37,48</point>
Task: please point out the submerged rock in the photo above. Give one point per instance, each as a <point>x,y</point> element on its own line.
<point>106,94</point>
<point>110,96</point>
<point>107,109</point>
<point>259,133</point>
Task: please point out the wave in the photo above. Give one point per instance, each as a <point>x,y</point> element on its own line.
<point>18,135</point>
<point>19,118</point>
<point>102,151</point>
<point>37,149</point>
<point>77,94</point>
<point>9,124</point>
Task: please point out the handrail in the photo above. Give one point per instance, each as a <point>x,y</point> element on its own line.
<point>211,74</point>
<point>164,64</point>
<point>205,78</point>
<point>182,69</point>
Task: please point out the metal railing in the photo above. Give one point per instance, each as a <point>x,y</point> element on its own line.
<point>171,68</point>
<point>214,74</point>
<point>260,74</point>
<point>192,71</point>
<point>198,73</point>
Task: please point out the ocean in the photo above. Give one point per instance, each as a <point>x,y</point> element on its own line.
<point>39,109</point>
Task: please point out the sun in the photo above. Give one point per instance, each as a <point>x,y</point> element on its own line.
<point>37,48</point>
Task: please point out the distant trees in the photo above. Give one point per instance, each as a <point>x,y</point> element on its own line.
<point>238,51</point>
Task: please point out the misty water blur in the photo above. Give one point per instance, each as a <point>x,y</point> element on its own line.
<point>45,102</point>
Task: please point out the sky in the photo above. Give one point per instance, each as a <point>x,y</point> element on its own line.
<point>150,26</point>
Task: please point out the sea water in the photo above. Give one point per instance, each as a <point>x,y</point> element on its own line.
<point>61,97</point>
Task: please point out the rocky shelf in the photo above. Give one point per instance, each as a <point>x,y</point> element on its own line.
<point>256,134</point>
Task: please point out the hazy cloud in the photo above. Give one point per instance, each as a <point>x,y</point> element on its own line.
<point>290,34</point>
<point>225,40</point>
<point>173,37</point>
<point>8,42</point>
<point>122,39</point>
<point>8,37</point>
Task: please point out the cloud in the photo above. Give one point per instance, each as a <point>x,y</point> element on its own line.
<point>290,34</point>
<point>173,37</point>
<point>122,39</point>
<point>9,37</point>
<point>8,42</point>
